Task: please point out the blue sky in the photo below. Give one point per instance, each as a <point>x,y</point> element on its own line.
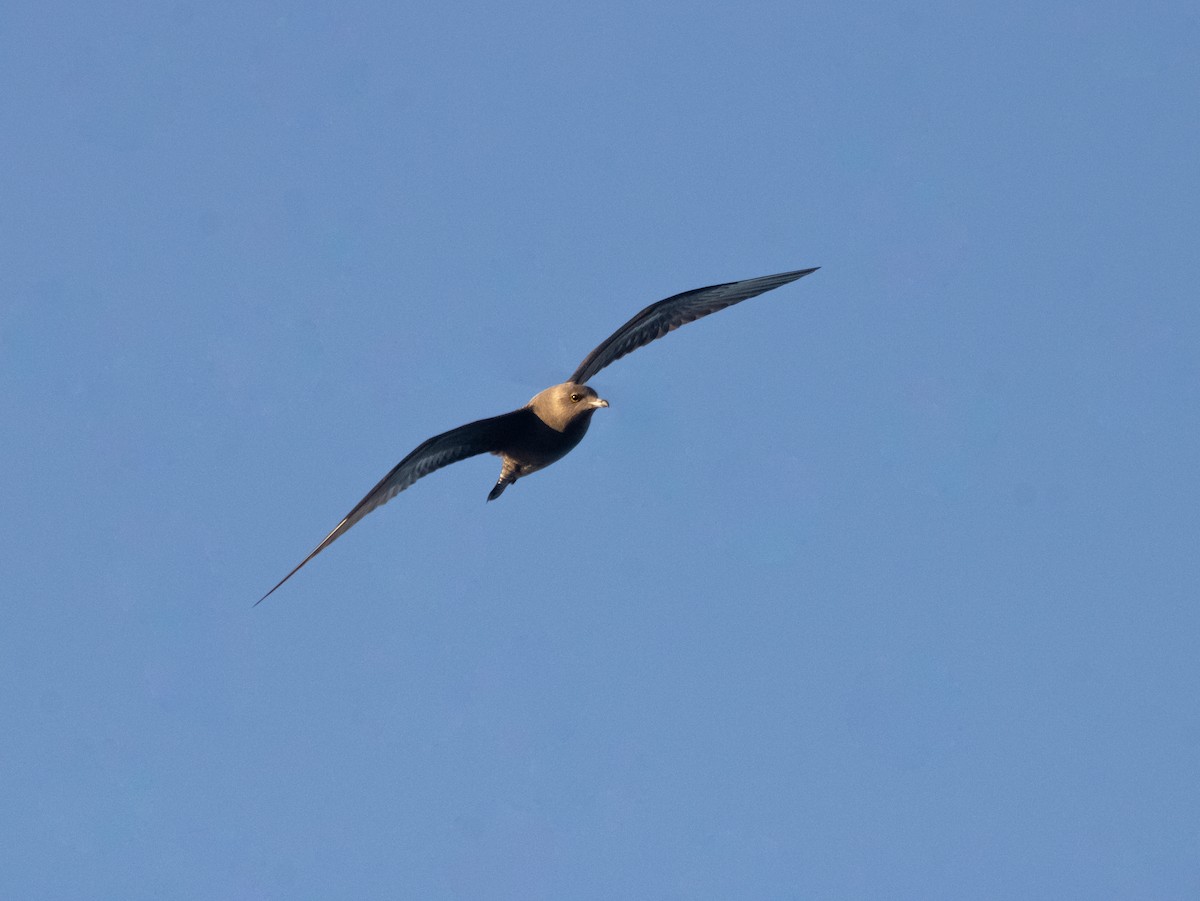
<point>883,585</point>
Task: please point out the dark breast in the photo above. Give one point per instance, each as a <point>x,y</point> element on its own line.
<point>536,444</point>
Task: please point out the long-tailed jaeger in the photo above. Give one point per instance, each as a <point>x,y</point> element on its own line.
<point>548,427</point>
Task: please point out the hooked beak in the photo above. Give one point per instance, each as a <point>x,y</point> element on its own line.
<point>599,402</point>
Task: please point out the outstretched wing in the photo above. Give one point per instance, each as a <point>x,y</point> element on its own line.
<point>667,315</point>
<point>441,450</point>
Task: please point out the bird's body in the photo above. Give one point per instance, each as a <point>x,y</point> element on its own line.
<point>555,420</point>
<point>544,431</point>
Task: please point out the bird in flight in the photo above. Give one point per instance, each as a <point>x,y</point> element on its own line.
<point>548,427</point>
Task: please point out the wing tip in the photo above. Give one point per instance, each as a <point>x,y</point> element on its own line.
<point>269,593</point>
<point>800,273</point>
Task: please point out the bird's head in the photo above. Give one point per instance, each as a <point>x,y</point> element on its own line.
<point>559,405</point>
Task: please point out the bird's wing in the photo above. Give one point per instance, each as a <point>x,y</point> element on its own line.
<point>441,450</point>
<point>667,315</point>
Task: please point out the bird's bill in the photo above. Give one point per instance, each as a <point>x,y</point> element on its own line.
<point>599,402</point>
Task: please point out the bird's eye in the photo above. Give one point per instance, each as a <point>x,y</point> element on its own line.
<point>575,398</point>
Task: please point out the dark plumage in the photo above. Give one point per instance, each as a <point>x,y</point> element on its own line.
<point>547,428</point>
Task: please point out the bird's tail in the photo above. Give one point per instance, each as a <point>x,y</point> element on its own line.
<point>503,482</point>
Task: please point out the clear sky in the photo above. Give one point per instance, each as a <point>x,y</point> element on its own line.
<point>882,585</point>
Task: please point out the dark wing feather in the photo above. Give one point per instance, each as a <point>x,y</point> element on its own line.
<point>667,315</point>
<point>441,450</point>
